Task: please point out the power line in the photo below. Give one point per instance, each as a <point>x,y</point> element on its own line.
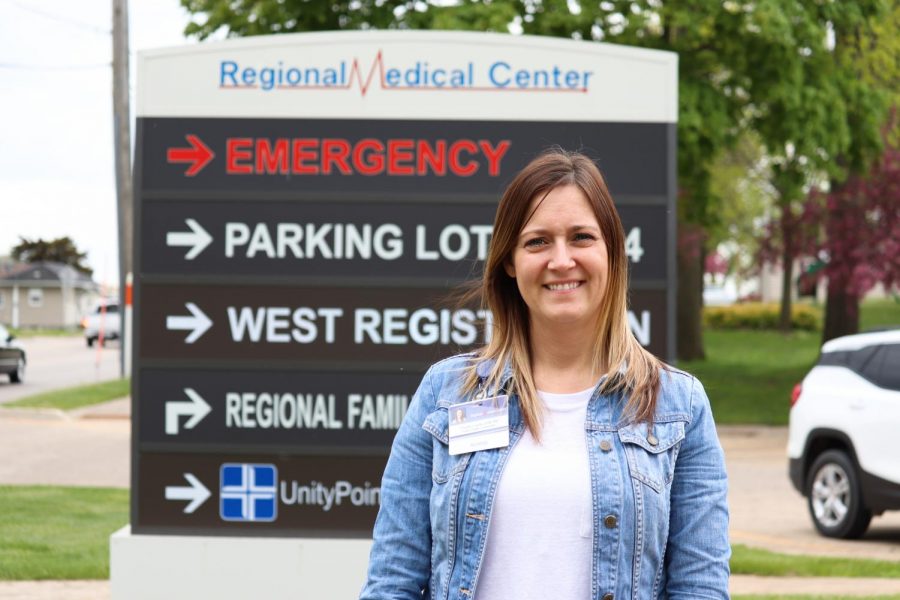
<point>26,67</point>
<point>66,20</point>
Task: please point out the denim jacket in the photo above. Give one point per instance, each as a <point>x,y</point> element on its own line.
<point>660,518</point>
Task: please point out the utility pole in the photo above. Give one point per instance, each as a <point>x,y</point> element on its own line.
<point>122,150</point>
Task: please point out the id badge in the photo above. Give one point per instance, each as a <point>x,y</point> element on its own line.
<point>479,425</point>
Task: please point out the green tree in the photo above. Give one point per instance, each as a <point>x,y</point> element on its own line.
<point>869,54</point>
<point>808,119</point>
<point>61,250</point>
<point>741,177</point>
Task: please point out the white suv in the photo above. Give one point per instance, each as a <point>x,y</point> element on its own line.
<point>844,424</point>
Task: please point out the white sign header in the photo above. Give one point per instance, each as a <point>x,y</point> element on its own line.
<point>410,75</point>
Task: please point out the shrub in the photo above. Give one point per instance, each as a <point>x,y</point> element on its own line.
<point>758,315</point>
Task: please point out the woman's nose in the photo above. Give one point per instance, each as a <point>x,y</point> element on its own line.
<point>561,257</point>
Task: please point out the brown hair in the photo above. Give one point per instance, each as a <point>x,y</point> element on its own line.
<point>615,345</point>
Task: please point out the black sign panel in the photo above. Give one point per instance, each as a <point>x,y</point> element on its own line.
<point>296,277</point>
<point>241,494</point>
<point>313,412</point>
<point>388,156</point>
<point>325,323</point>
<point>363,240</point>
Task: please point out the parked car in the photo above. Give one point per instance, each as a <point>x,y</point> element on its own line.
<point>844,421</point>
<point>12,357</point>
<point>102,322</point>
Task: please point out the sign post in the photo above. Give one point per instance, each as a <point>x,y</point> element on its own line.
<point>305,207</point>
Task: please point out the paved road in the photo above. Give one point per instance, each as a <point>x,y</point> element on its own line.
<point>60,362</point>
<point>767,512</point>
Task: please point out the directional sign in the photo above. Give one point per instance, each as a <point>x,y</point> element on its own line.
<point>362,240</point>
<point>385,157</point>
<point>309,496</point>
<point>313,412</point>
<point>318,323</point>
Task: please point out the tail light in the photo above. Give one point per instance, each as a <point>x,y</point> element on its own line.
<point>795,394</point>
<point>84,323</point>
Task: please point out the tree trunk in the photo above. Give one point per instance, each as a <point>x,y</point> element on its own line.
<point>787,275</point>
<point>841,314</point>
<point>689,327</point>
<point>787,267</point>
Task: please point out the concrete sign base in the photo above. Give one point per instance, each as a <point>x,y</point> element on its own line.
<point>178,567</point>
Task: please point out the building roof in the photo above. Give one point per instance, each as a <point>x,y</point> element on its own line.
<point>46,273</point>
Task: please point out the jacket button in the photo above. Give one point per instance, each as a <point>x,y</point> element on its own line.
<point>651,439</point>
<point>607,597</point>
<point>610,521</point>
<point>605,446</point>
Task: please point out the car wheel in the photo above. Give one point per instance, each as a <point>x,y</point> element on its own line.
<point>18,375</point>
<point>90,341</point>
<point>834,496</point>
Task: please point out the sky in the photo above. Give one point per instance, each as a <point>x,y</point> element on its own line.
<point>57,174</point>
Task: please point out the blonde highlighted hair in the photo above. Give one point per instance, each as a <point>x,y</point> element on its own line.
<point>629,367</point>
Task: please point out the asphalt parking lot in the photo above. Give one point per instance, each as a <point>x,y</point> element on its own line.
<point>60,362</point>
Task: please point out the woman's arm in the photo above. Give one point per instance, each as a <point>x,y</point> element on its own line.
<point>400,560</point>
<point>698,550</point>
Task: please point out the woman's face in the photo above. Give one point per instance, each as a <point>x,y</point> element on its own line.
<point>560,261</point>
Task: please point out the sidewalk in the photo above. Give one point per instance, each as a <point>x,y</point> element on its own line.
<point>741,585</point>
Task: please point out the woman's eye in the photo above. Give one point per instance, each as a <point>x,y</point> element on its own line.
<point>535,243</point>
<point>581,237</point>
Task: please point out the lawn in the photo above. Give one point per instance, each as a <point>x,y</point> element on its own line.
<point>42,332</point>
<point>75,397</point>
<point>894,597</point>
<point>752,561</point>
<point>58,532</point>
<point>749,374</point>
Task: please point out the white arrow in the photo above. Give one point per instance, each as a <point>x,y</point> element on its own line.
<point>196,493</point>
<point>198,237</point>
<point>197,323</point>
<point>196,409</point>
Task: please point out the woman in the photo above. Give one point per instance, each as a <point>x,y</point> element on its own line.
<point>612,484</point>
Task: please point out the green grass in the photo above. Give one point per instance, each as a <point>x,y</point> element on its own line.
<point>879,313</point>
<point>75,397</point>
<point>43,332</point>
<point>894,597</point>
<point>58,532</point>
<point>752,561</point>
<point>749,375</point>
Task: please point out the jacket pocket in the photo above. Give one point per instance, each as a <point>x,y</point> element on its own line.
<point>651,455</point>
<point>443,466</point>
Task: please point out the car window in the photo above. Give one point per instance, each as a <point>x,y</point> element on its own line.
<point>3,334</point>
<point>889,367</point>
<point>852,359</point>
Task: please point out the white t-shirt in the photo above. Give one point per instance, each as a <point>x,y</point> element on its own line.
<point>539,537</point>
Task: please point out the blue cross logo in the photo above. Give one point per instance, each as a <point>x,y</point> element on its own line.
<point>248,492</point>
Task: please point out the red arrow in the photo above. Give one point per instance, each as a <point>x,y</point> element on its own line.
<point>199,154</point>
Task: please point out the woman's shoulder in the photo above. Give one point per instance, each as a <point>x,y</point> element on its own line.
<point>446,377</point>
<point>680,394</point>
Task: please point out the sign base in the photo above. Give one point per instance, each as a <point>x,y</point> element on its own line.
<point>176,567</point>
